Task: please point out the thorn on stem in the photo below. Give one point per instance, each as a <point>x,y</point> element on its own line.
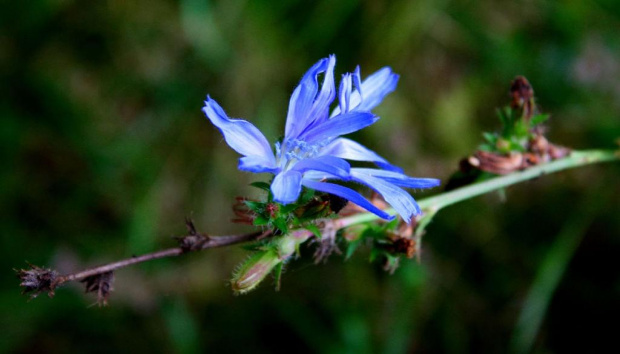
<point>191,229</point>
<point>194,240</point>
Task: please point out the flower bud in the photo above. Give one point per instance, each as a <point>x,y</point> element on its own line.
<point>254,270</point>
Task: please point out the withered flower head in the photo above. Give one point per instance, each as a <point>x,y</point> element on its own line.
<point>37,280</point>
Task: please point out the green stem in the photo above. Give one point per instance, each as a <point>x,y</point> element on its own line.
<point>440,201</point>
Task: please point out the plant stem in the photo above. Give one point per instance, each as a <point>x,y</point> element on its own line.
<point>429,205</point>
<point>210,242</point>
<point>440,201</point>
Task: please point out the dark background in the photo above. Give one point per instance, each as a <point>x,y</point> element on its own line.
<point>105,151</point>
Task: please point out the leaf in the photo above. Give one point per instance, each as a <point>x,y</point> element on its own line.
<point>314,229</point>
<point>351,248</point>
<point>491,138</point>
<point>261,185</point>
<point>521,129</point>
<point>260,221</point>
<point>281,224</point>
<point>538,119</point>
<point>391,225</point>
<point>487,147</point>
<point>306,196</point>
<point>277,273</point>
<point>257,207</point>
<point>285,209</point>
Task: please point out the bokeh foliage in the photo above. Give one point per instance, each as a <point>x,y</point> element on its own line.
<point>105,152</point>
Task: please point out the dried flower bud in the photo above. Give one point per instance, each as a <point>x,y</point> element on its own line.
<point>37,280</point>
<point>406,246</point>
<point>522,96</point>
<point>499,164</point>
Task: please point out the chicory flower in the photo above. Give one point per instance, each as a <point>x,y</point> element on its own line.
<point>313,149</point>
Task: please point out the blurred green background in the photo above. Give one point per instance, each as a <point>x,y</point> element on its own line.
<point>105,152</point>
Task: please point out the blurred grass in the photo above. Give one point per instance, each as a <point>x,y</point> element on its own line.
<point>105,152</point>
<point>550,272</point>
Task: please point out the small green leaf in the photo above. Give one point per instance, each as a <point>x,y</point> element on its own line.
<point>375,254</point>
<point>281,224</point>
<point>314,229</point>
<point>538,119</point>
<point>491,138</point>
<point>285,209</point>
<point>391,225</point>
<point>306,196</point>
<point>260,221</point>
<point>487,147</point>
<point>261,185</point>
<point>277,273</point>
<point>255,206</point>
<point>351,248</point>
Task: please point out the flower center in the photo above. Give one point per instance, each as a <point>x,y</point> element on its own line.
<point>292,151</point>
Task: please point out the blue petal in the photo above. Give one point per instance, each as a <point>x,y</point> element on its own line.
<point>315,175</point>
<point>400,200</point>
<point>240,135</point>
<point>370,92</point>
<point>286,187</point>
<point>256,164</point>
<point>305,106</point>
<point>334,166</point>
<point>399,179</point>
<point>320,107</point>
<point>348,194</point>
<point>339,125</point>
<point>345,93</point>
<point>351,150</point>
<point>375,88</point>
<point>357,80</point>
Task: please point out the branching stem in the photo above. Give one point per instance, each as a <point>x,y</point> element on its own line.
<point>32,279</point>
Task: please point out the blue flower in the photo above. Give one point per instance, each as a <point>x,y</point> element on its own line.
<point>313,151</point>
